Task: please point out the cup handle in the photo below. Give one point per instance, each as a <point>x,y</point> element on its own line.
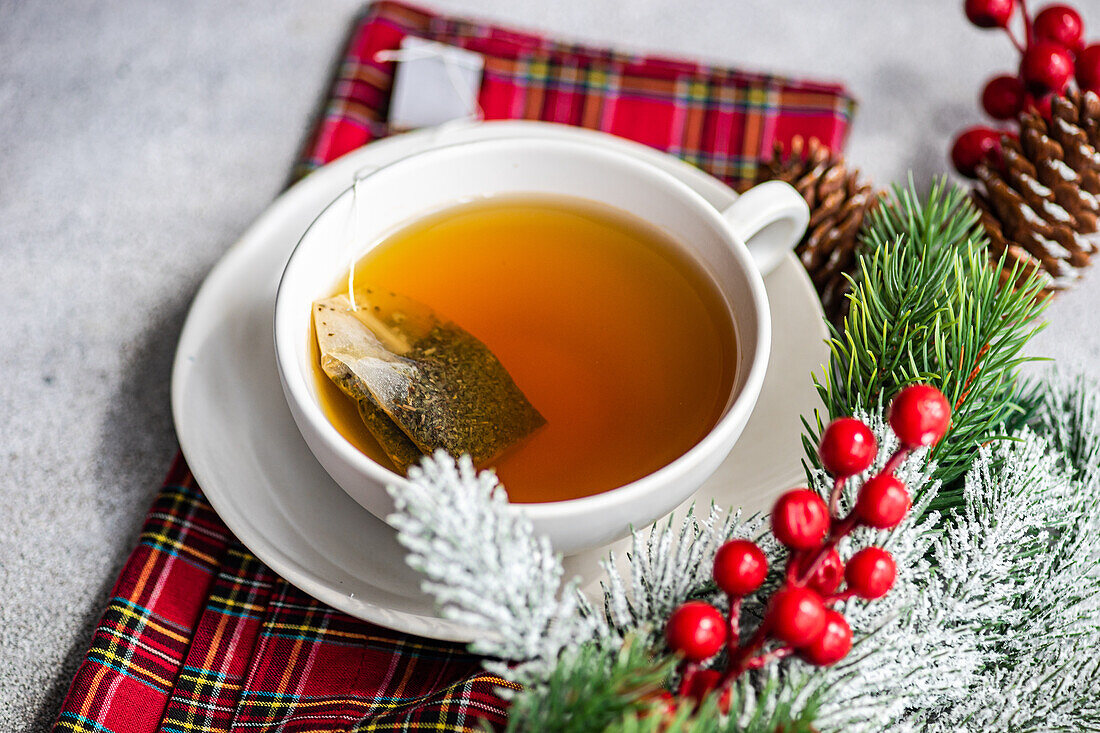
<point>770,219</point>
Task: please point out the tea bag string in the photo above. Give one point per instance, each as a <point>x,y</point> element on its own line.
<point>351,247</point>
<point>452,64</point>
<point>355,237</point>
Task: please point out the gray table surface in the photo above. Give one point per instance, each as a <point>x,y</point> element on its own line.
<point>138,139</point>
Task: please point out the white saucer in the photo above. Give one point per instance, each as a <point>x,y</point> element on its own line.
<point>247,455</point>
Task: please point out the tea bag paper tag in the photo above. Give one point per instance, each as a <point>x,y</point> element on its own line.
<point>434,83</point>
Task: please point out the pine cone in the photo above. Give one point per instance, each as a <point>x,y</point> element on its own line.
<point>1041,204</point>
<point>838,202</point>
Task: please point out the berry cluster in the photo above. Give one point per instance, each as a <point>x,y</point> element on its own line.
<point>800,618</point>
<point>1052,54</point>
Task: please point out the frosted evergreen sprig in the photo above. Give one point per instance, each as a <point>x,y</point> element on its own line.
<point>486,567</point>
<point>668,564</point>
<point>993,622</point>
<point>1019,568</point>
<point>1041,668</point>
<point>1068,414</point>
<point>999,631</point>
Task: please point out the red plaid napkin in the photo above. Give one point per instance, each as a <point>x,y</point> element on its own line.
<point>198,634</point>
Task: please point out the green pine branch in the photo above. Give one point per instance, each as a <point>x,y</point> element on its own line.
<point>926,306</point>
<point>621,689</point>
<point>595,688</point>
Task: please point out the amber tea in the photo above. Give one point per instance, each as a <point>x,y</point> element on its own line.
<point>620,343</point>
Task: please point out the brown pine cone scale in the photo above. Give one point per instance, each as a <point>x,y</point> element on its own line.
<point>839,201</point>
<point>1041,204</point>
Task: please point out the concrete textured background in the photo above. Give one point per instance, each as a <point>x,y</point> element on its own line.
<point>138,138</point>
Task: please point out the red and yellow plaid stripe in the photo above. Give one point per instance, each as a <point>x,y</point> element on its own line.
<point>198,635</point>
<point>723,120</point>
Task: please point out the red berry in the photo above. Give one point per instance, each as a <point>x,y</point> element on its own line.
<point>972,147</point>
<point>800,519</point>
<point>696,630</point>
<point>795,615</point>
<point>1003,97</point>
<point>870,573</point>
<point>826,578</point>
<point>989,13</point>
<point>1039,106</point>
<point>847,447</point>
<point>702,683</point>
<point>740,567</point>
<point>882,502</point>
<point>919,415</point>
<point>1060,24</point>
<point>833,644</point>
<point>1046,67</point>
<point>1088,69</point>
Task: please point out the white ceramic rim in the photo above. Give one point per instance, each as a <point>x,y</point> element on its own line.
<point>735,415</point>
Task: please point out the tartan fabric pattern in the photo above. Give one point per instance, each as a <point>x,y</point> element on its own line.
<point>723,120</point>
<point>199,635</point>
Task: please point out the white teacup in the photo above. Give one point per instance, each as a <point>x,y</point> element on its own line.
<point>769,218</point>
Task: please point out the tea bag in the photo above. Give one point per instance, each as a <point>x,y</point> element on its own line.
<point>420,382</point>
<point>397,446</point>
